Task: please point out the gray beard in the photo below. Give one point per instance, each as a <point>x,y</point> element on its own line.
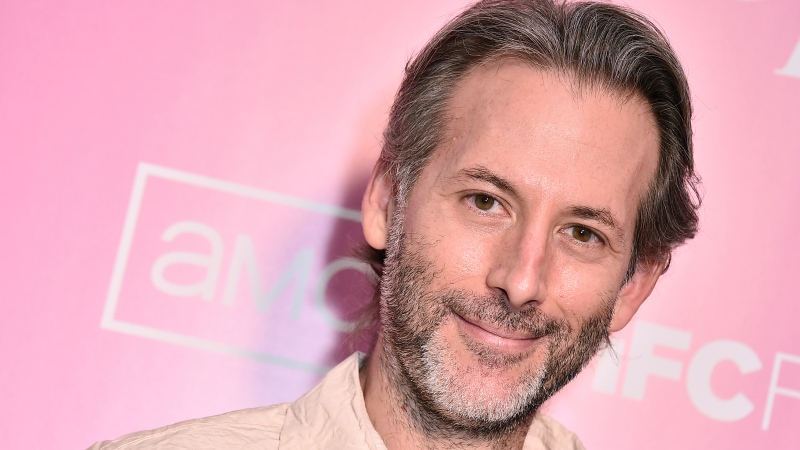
<point>426,382</point>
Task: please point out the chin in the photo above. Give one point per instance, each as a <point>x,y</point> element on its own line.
<point>478,386</point>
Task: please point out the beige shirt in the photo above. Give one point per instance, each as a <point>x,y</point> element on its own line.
<point>330,416</point>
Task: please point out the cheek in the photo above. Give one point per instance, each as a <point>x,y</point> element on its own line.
<point>455,249</point>
<point>566,284</point>
<point>578,290</point>
<point>471,259</point>
<point>460,256</point>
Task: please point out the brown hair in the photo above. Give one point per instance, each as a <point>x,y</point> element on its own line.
<point>597,44</point>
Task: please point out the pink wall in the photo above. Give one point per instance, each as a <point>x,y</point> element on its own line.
<point>241,135</point>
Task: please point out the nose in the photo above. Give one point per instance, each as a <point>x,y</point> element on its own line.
<point>520,266</point>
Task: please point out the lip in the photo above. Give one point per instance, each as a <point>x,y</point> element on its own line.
<point>504,340</point>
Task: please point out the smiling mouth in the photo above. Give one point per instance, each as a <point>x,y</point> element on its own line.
<point>499,339</point>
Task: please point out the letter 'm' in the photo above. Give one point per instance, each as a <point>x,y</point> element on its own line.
<point>244,257</point>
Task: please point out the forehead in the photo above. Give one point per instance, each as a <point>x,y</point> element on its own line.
<point>554,142</point>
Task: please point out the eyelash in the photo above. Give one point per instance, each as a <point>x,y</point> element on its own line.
<point>595,235</point>
<point>473,197</point>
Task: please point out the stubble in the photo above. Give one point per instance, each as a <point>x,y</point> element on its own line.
<point>423,375</point>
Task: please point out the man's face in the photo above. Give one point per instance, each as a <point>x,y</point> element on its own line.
<point>505,266</point>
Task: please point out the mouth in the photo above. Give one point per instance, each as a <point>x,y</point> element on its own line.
<point>505,341</point>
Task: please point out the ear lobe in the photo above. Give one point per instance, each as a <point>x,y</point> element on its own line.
<point>376,209</point>
<point>635,292</point>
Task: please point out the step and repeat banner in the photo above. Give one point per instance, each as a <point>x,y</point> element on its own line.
<point>181,183</point>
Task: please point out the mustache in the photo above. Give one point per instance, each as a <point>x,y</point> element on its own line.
<point>497,311</point>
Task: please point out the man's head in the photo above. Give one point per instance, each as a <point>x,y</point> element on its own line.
<point>535,175</point>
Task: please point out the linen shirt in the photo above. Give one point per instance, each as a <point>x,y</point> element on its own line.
<point>330,416</point>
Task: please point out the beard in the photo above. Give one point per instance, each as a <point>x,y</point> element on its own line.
<point>446,398</point>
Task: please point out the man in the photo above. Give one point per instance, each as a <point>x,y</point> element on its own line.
<point>536,174</point>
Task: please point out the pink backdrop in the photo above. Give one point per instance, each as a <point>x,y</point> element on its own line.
<point>180,183</point>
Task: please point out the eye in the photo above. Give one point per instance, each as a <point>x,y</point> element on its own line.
<point>484,202</point>
<point>582,234</point>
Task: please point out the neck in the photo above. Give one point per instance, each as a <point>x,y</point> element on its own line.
<point>396,416</point>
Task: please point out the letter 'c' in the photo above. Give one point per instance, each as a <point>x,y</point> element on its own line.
<point>698,379</point>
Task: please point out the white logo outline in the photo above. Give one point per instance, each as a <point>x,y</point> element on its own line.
<point>147,170</point>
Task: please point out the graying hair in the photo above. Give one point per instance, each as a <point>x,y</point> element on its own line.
<point>594,44</point>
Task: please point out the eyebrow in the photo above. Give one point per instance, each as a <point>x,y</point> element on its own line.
<point>601,215</point>
<point>481,173</point>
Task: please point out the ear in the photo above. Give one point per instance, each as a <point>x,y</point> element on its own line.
<point>635,292</point>
<point>376,209</point>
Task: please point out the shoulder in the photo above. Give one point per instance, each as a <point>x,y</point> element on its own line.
<point>546,433</point>
<point>245,429</point>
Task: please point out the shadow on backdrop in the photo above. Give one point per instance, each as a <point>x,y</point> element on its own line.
<point>350,290</point>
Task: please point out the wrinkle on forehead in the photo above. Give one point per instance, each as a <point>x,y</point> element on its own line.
<point>483,105</point>
<point>580,89</point>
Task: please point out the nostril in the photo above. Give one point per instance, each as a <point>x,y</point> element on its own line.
<point>503,293</point>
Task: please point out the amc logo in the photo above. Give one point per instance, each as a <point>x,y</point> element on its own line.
<point>219,266</point>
